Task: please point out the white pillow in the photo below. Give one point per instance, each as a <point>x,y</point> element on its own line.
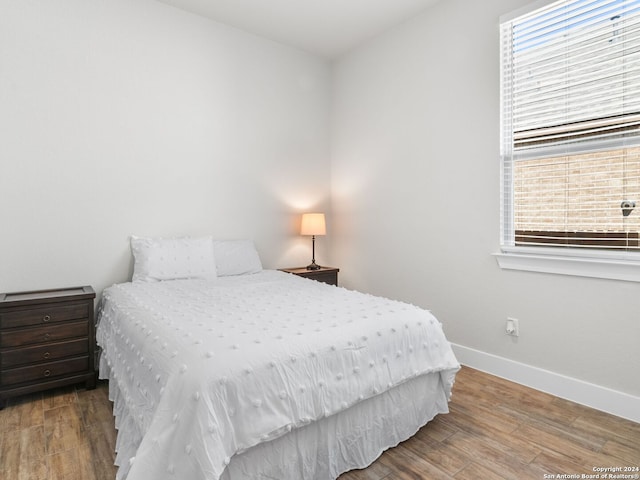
<point>172,258</point>
<point>236,257</point>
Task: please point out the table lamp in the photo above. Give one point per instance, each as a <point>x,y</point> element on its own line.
<point>313,224</point>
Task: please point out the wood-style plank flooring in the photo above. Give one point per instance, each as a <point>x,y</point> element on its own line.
<point>496,430</point>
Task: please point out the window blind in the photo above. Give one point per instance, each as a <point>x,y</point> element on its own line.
<point>570,92</point>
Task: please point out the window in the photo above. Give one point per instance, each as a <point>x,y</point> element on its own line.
<point>570,128</point>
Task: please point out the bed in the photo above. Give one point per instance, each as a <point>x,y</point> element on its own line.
<point>219,369</point>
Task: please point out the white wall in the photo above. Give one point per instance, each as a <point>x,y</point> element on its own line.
<point>415,202</point>
<point>132,117</point>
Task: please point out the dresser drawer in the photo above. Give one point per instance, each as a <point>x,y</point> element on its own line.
<point>52,333</point>
<point>44,371</point>
<point>43,315</point>
<point>43,353</point>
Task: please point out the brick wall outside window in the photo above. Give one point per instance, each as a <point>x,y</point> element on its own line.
<point>578,192</point>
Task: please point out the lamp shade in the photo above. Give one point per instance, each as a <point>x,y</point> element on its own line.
<point>313,224</point>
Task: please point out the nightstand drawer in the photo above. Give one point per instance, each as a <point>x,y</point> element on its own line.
<point>43,315</point>
<point>44,371</point>
<point>327,277</point>
<point>43,353</point>
<point>53,333</point>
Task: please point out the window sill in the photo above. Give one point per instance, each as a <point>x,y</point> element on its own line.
<point>609,265</point>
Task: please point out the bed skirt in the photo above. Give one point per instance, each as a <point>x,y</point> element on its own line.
<point>322,450</point>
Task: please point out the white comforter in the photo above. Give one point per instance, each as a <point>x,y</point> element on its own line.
<point>206,370</point>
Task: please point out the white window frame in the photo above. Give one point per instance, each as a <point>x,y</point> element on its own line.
<point>614,265</point>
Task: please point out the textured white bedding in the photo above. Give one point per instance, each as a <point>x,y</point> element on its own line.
<point>202,371</point>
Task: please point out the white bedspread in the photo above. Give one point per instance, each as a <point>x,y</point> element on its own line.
<point>206,370</point>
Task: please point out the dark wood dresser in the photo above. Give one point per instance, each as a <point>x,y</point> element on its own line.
<point>47,340</point>
<point>323,274</point>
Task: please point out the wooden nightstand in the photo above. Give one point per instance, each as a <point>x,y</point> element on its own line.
<point>323,274</point>
<point>47,340</point>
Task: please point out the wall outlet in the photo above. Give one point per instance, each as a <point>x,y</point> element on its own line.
<point>513,327</point>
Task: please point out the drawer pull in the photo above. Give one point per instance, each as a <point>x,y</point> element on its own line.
<point>47,373</point>
<point>47,336</point>
<point>46,355</point>
<point>46,318</point>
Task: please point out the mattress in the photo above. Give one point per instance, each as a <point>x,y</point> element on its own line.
<point>267,375</point>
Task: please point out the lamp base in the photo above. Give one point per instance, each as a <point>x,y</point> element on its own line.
<point>313,266</point>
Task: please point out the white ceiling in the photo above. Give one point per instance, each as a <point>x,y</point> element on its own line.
<point>327,28</point>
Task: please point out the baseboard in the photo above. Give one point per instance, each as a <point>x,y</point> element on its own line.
<point>594,396</point>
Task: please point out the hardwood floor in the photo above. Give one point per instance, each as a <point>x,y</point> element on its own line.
<point>66,433</point>
<point>496,430</point>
